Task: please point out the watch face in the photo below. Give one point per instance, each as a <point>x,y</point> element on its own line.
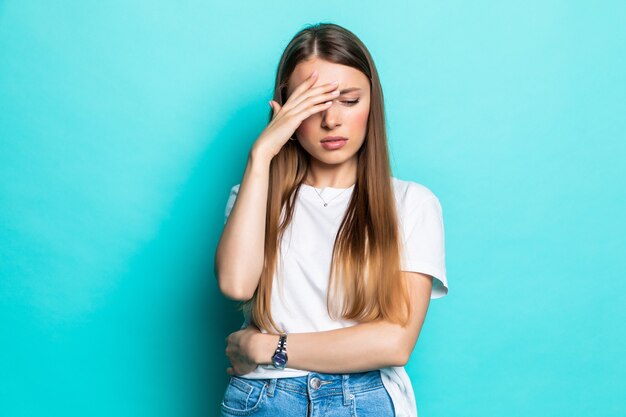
<point>279,359</point>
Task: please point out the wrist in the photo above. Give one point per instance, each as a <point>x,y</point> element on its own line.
<point>265,347</point>
<point>259,157</point>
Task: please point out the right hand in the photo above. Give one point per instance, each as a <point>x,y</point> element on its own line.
<point>302,103</point>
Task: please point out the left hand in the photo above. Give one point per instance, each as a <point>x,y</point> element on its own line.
<point>239,350</point>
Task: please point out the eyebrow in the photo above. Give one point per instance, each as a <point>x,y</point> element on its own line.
<point>347,90</point>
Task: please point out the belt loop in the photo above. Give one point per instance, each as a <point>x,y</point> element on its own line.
<point>347,397</point>
<point>271,384</point>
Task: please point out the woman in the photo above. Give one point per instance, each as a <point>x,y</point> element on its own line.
<point>335,259</point>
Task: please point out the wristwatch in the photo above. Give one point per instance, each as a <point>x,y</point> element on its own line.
<point>280,355</point>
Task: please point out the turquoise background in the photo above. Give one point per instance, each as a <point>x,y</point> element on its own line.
<point>123,126</point>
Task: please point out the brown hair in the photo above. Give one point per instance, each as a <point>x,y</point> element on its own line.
<point>366,253</point>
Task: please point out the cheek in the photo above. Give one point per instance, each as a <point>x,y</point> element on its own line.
<point>358,120</point>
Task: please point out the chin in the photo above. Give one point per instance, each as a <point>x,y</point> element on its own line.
<point>334,159</point>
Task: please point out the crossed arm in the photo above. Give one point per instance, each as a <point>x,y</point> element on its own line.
<point>358,348</point>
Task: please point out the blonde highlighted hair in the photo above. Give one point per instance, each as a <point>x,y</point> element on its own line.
<point>365,282</point>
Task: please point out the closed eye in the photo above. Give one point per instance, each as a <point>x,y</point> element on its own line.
<point>350,102</point>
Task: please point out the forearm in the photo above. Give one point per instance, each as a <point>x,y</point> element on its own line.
<point>358,348</point>
<point>244,232</point>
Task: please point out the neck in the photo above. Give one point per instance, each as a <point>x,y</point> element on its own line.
<point>321,175</point>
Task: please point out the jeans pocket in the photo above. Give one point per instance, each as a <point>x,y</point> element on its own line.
<point>243,396</point>
<point>376,402</point>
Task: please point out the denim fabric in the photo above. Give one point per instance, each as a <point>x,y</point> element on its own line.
<point>314,395</point>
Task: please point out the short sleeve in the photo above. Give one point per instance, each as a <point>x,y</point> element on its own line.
<point>424,243</point>
<point>231,201</point>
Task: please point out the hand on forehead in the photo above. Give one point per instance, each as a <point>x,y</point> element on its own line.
<point>328,72</point>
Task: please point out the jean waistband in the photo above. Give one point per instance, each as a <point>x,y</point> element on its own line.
<point>316,384</point>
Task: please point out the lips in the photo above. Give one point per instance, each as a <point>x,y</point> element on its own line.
<point>333,139</point>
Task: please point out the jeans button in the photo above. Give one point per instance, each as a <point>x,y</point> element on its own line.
<point>315,383</point>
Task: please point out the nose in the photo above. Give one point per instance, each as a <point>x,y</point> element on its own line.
<point>331,117</point>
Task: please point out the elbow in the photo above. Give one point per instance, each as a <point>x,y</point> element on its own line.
<point>233,283</point>
<point>235,294</point>
<point>232,292</point>
<point>402,352</point>
<point>400,357</point>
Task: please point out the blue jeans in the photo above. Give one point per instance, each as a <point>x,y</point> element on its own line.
<point>314,395</point>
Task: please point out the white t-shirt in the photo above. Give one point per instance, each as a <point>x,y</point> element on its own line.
<point>300,284</point>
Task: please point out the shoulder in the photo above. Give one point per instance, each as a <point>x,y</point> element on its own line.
<point>411,193</point>
<point>418,209</point>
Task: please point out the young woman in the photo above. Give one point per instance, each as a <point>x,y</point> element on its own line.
<point>335,259</point>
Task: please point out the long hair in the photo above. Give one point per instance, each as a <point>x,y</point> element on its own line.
<point>365,282</point>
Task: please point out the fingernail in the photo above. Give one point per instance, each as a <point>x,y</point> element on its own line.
<point>314,74</point>
<point>335,82</point>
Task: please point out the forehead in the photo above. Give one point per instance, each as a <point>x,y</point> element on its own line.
<point>327,72</point>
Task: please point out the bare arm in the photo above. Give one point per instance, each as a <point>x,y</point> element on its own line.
<point>359,348</point>
<point>244,234</point>
<point>240,254</point>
